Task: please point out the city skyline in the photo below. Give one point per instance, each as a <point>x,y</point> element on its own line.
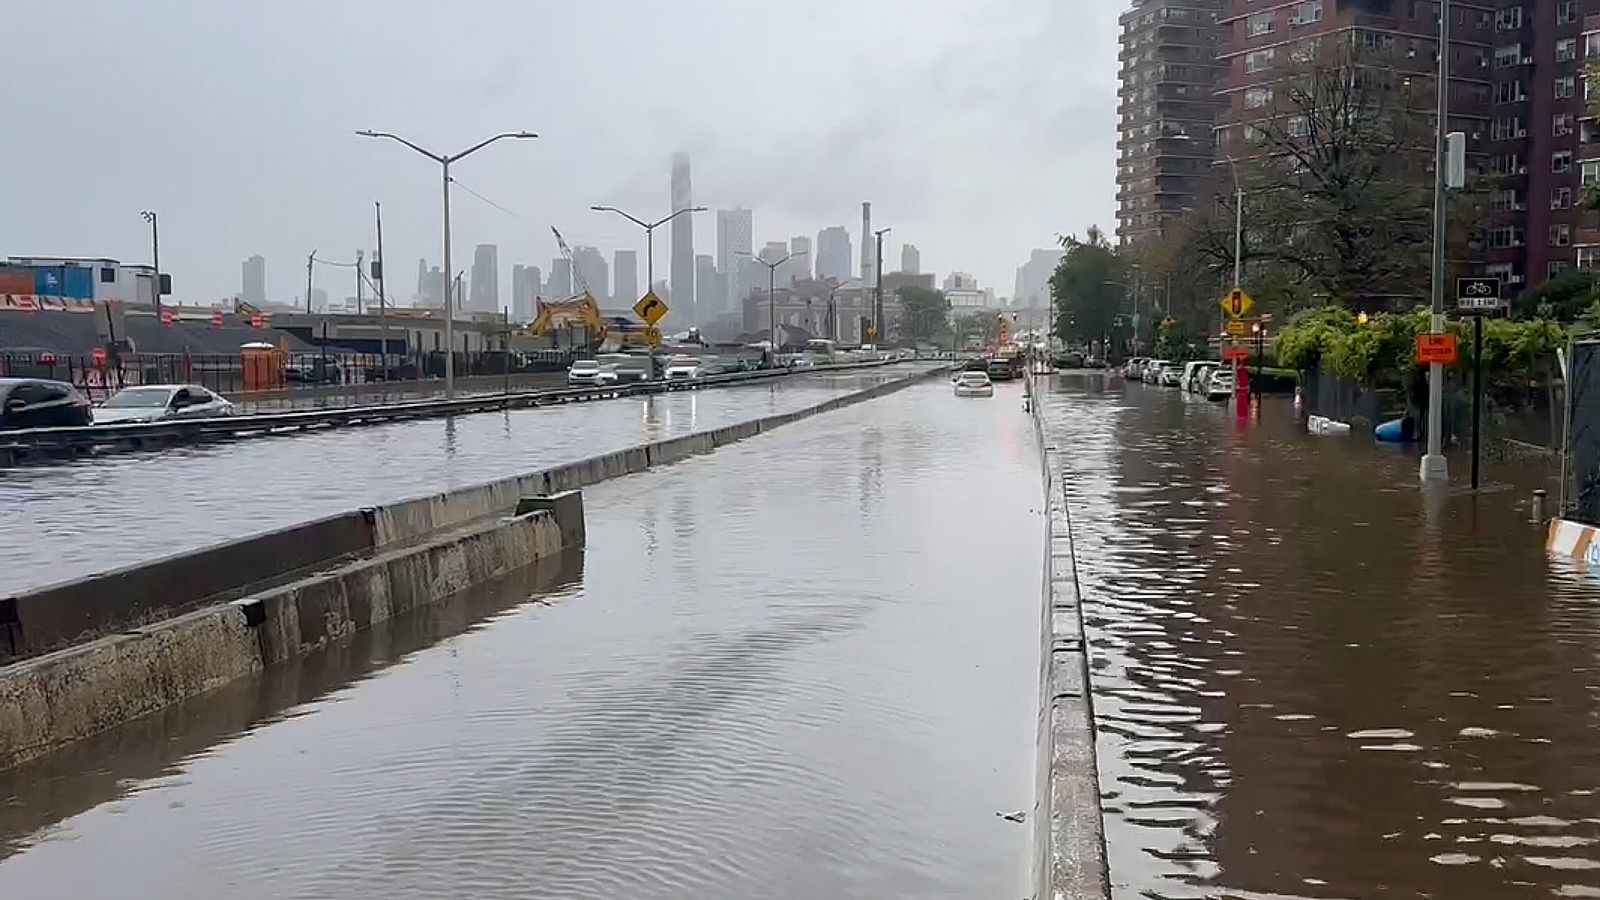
<point>305,156</point>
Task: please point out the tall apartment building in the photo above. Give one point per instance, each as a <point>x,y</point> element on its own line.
<point>485,294</point>
<point>254,278</point>
<point>834,253</point>
<point>1167,108</point>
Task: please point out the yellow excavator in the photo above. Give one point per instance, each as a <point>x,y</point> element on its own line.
<point>576,311</point>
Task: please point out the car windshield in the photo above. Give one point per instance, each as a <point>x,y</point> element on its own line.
<point>585,365</point>
<point>138,398</point>
<point>977,377</point>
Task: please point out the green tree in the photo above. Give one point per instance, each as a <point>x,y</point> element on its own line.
<point>1564,297</point>
<point>1088,290</point>
<point>923,315</point>
<point>984,327</point>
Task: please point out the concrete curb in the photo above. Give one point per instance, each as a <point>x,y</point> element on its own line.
<point>1069,830</point>
<point>421,551</point>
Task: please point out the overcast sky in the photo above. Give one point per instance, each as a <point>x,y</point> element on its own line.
<point>979,129</point>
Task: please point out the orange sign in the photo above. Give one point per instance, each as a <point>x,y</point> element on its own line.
<point>1437,348</point>
<point>1235,354</point>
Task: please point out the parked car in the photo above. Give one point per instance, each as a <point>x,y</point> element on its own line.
<point>1152,371</point>
<point>159,402</point>
<point>1194,374</point>
<point>1220,385</point>
<point>583,373</point>
<point>41,403</point>
<point>1170,375</point>
<point>974,384</point>
<point>1134,367</point>
<point>626,368</point>
<point>683,368</point>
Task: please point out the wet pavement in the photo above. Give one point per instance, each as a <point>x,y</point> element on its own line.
<point>803,666</point>
<point>97,514</point>
<point>1312,681</point>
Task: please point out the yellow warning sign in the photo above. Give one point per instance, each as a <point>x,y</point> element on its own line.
<point>650,308</point>
<point>1238,328</point>
<point>1236,303</point>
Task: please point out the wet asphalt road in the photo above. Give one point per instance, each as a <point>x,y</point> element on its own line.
<point>804,666</point>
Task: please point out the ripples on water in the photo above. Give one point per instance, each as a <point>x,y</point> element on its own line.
<point>1311,683</point>
<point>101,513</point>
<point>804,666</point>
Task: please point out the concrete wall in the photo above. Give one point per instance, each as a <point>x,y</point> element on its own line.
<point>1069,830</point>
<point>61,697</point>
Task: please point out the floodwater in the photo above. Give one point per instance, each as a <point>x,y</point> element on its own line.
<point>92,515</point>
<point>803,666</point>
<point>1312,680</point>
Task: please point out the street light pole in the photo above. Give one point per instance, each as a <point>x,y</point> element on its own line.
<point>877,291</point>
<point>444,162</point>
<point>772,297</point>
<point>155,257</point>
<point>649,236</point>
<point>1434,466</point>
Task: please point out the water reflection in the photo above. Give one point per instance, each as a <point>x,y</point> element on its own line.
<point>1313,679</point>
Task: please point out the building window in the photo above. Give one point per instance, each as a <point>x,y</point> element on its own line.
<point>1566,12</point>
<point>1589,258</point>
<point>1260,23</point>
<point>1255,98</point>
<point>1561,198</point>
<point>1506,129</point>
<point>1503,200</point>
<point>1566,87</point>
<point>1566,50</point>
<point>1376,42</point>
<point>1501,271</point>
<point>1561,124</point>
<point>1561,235</point>
<point>1508,19</point>
<point>1299,126</point>
<point>1253,135</point>
<point>1561,162</point>
<point>1556,267</point>
<point>1507,56</point>
<point>1306,13</point>
<point>1258,60</point>
<point>1303,51</point>
<point>1591,173</point>
<point>1503,237</point>
<point>1509,92</point>
<point>108,275</point>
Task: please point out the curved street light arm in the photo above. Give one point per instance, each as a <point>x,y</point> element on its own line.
<point>395,137</point>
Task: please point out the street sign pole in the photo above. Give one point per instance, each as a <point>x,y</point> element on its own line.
<point>1477,392</point>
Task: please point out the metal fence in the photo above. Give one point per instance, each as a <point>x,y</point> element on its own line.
<point>1580,465</point>
<point>236,374</point>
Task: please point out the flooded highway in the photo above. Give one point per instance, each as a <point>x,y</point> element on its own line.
<point>1310,680</point>
<point>804,666</point>
<point>101,513</point>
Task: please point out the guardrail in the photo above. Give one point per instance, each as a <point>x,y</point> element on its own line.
<point>46,444</point>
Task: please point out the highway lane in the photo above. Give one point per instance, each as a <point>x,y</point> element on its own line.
<point>76,519</point>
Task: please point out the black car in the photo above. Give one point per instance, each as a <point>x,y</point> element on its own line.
<point>38,403</point>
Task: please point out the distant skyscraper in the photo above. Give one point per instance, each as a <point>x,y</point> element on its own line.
<point>910,259</point>
<point>593,271</point>
<point>868,245</point>
<point>422,278</point>
<point>560,287</point>
<point>431,288</point>
<point>524,288</point>
<point>834,253</point>
<point>683,241</point>
<point>1033,278</point>
<point>734,237</point>
<point>485,296</point>
<point>254,289</point>
<point>319,299</point>
<point>705,282</point>
<point>625,278</point>
<point>960,281</point>
<point>800,266</point>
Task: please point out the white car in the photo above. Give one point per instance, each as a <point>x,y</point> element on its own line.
<point>1151,372</point>
<point>161,402</point>
<point>973,383</point>
<point>1220,385</point>
<point>584,372</point>
<point>1194,375</point>
<point>1170,374</point>
<point>683,368</point>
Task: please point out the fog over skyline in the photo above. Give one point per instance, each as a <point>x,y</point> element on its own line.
<point>978,129</point>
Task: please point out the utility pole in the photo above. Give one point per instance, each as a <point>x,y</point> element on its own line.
<point>360,276</point>
<point>1434,465</point>
<point>155,257</point>
<point>383,300</point>
<point>310,261</point>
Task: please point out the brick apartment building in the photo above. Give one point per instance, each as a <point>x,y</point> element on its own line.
<point>1517,91</point>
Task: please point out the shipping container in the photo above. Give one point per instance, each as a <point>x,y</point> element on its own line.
<point>16,280</point>
<point>80,282</point>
